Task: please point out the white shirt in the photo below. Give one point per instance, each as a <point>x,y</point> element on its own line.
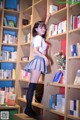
<point>38,41</point>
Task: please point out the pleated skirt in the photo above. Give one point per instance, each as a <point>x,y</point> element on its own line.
<point>38,63</point>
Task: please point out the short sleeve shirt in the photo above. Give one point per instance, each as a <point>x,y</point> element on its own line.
<point>38,41</point>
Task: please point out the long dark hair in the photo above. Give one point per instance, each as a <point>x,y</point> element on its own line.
<point>39,23</point>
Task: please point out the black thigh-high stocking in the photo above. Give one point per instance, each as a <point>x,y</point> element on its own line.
<point>29,97</point>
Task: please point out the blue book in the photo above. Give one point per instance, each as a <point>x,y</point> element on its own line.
<point>73,50</point>
<point>57,76</point>
<point>11,4</point>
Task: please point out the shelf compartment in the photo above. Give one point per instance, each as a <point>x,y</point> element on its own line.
<point>73,5</point>
<point>59,15</point>
<point>73,117</point>
<point>41,12</point>
<point>29,10</point>
<point>75,8</point>
<point>38,105</point>
<point>56,84</point>
<point>58,36</point>
<point>58,112</point>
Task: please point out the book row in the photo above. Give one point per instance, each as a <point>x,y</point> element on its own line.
<point>57,102</point>
<point>9,39</point>
<point>8,55</point>
<point>75,108</point>
<point>7,74</point>
<point>7,97</point>
<point>75,21</point>
<point>57,28</point>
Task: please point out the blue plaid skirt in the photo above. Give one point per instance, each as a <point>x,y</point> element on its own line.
<point>38,63</point>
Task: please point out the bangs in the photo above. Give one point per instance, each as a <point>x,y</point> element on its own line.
<point>42,25</point>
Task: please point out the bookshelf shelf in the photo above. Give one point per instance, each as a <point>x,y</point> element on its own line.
<point>26,27</point>
<point>23,62</point>
<point>56,84</point>
<point>11,12</point>
<point>58,112</point>
<point>73,117</point>
<point>7,79</point>
<point>74,86</point>
<point>74,58</point>
<point>7,61</point>
<point>77,30</point>
<point>12,44</point>
<point>58,36</point>
<point>24,80</point>
<point>10,28</point>
<point>9,107</point>
<point>60,12</point>
<point>33,103</point>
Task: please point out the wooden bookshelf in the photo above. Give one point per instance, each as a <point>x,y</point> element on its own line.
<point>28,10</point>
<point>71,36</point>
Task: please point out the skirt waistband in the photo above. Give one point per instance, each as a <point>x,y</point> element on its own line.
<point>38,57</point>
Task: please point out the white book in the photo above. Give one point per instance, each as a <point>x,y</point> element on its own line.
<point>64,26</point>
<point>77,78</point>
<point>2,96</point>
<point>60,28</point>
<point>78,19</point>
<point>59,101</point>
<point>71,105</point>
<point>78,49</point>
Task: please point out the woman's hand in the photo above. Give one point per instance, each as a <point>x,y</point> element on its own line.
<point>46,61</point>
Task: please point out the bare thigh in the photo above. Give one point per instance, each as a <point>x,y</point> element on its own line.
<point>35,75</point>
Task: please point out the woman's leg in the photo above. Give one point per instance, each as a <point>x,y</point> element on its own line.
<point>32,86</point>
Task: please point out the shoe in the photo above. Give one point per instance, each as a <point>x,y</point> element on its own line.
<point>30,113</point>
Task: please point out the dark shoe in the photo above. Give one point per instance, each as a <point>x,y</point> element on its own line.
<point>30,113</point>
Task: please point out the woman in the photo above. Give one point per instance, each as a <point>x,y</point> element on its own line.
<point>39,64</point>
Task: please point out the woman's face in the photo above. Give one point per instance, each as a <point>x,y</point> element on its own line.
<point>41,30</point>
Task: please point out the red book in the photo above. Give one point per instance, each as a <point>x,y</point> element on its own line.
<point>75,22</point>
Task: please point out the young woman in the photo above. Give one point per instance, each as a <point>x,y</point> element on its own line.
<point>39,64</point>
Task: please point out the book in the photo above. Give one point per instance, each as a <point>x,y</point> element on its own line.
<point>77,78</point>
<point>57,76</point>
<point>73,50</point>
